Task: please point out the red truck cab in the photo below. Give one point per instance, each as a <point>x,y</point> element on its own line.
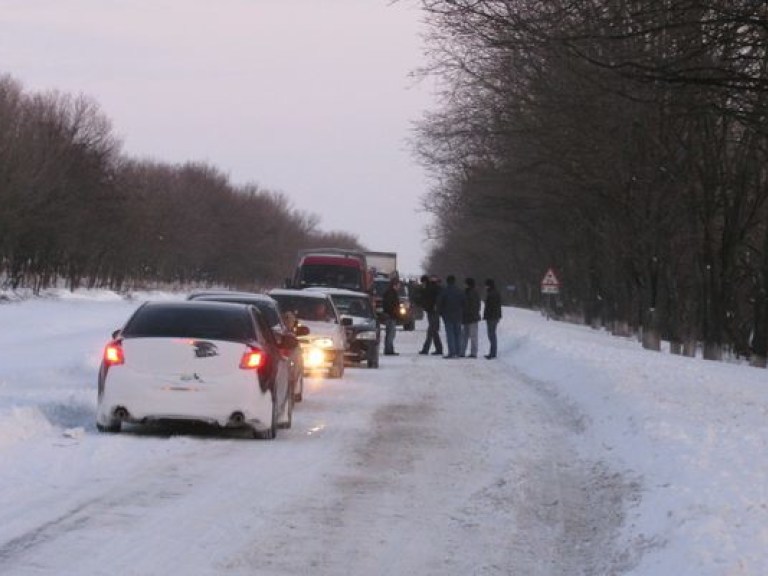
<point>332,267</point>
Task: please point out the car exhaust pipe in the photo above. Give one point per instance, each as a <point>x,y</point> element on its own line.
<point>237,419</point>
<point>121,413</point>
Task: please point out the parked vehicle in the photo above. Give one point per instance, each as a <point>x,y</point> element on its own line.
<point>332,267</point>
<point>323,348</point>
<point>382,263</point>
<point>286,338</point>
<point>364,333</point>
<point>211,362</point>
<point>406,315</point>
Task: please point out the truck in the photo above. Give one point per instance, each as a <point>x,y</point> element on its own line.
<point>383,267</point>
<point>382,264</point>
<point>332,267</point>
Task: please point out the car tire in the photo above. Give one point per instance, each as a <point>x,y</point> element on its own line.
<point>289,412</point>
<point>113,427</point>
<point>271,432</point>
<point>373,358</point>
<point>298,394</point>
<point>337,371</point>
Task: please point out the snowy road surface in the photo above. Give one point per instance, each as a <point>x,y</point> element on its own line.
<point>426,466</point>
<point>575,453</point>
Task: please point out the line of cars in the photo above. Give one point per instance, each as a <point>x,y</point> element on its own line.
<point>232,359</point>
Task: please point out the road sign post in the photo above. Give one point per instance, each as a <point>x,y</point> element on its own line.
<point>550,285</point>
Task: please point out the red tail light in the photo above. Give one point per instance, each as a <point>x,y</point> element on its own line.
<point>113,354</point>
<point>253,359</point>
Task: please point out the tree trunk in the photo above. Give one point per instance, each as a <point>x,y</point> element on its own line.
<point>651,332</point>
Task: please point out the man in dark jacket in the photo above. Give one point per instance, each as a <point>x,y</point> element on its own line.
<point>470,318</point>
<point>492,314</point>
<point>450,305</point>
<point>429,291</point>
<point>390,303</point>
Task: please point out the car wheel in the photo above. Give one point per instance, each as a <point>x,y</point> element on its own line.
<point>112,428</point>
<point>298,393</point>
<point>288,420</point>
<point>373,358</point>
<point>338,367</point>
<point>271,432</point>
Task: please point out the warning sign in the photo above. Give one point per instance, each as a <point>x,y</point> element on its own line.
<point>550,284</point>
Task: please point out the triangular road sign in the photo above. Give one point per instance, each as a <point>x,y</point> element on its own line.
<point>550,279</point>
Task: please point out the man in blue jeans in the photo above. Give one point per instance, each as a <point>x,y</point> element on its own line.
<point>492,314</point>
<point>390,302</point>
<point>450,305</point>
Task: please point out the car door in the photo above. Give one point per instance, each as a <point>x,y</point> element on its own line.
<point>280,368</point>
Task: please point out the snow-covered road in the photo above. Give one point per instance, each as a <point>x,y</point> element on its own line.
<point>574,453</point>
<point>425,466</point>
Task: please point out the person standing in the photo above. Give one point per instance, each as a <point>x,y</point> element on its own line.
<point>390,303</point>
<point>470,318</point>
<point>450,305</point>
<point>429,292</point>
<point>492,314</point>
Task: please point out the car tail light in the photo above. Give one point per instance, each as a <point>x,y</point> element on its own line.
<point>253,359</point>
<point>113,354</point>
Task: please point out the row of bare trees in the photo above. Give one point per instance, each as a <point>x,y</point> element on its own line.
<point>623,142</point>
<point>73,209</point>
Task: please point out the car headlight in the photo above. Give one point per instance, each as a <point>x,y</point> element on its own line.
<point>368,335</point>
<point>323,342</point>
<point>314,357</point>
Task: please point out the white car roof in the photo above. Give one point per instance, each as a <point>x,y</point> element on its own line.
<point>301,293</point>
<point>338,291</point>
<point>231,293</point>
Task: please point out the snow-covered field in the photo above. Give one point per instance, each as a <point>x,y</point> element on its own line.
<point>574,453</point>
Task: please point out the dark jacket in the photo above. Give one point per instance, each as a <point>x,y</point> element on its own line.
<point>429,295</point>
<point>450,303</point>
<point>390,302</point>
<point>492,310</point>
<point>471,312</point>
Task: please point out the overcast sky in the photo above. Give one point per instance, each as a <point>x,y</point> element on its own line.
<point>309,97</point>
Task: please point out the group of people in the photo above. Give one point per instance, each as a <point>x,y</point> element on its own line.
<point>459,310</point>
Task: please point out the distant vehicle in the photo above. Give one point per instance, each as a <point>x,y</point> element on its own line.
<point>210,362</point>
<point>323,348</point>
<point>364,333</point>
<point>382,263</point>
<point>406,315</point>
<point>332,267</point>
<point>286,338</point>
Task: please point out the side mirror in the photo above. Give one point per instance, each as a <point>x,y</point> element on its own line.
<point>301,330</point>
<point>116,333</point>
<point>346,321</point>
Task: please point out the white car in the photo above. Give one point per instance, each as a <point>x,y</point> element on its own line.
<point>364,332</point>
<point>324,346</point>
<point>211,362</point>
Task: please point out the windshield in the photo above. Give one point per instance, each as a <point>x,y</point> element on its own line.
<point>190,322</point>
<point>266,307</point>
<point>334,276</point>
<point>314,309</point>
<point>380,286</point>
<point>359,306</point>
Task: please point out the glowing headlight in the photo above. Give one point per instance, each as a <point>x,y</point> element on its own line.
<point>366,336</point>
<point>314,357</point>
<point>323,342</point>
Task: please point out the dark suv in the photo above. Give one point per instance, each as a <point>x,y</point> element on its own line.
<point>364,332</point>
<point>406,316</point>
